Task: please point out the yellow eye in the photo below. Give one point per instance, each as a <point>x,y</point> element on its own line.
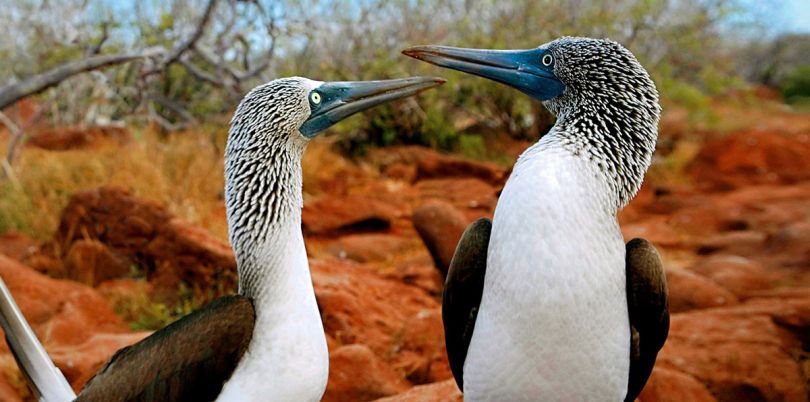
<point>316,98</point>
<point>547,59</point>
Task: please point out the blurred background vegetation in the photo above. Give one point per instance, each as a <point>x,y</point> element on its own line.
<point>187,63</point>
<point>693,48</point>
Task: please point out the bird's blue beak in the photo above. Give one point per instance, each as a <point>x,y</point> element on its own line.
<point>335,101</point>
<point>521,69</point>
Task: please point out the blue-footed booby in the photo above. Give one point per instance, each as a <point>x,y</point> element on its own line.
<point>266,343</point>
<point>546,302</point>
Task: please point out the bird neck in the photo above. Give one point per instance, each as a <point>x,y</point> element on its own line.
<point>263,196</point>
<point>618,138</point>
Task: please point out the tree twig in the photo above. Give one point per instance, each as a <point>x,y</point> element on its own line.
<point>13,143</point>
<point>40,82</point>
<point>181,48</point>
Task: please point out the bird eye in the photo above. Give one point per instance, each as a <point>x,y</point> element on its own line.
<point>547,59</point>
<point>316,98</point>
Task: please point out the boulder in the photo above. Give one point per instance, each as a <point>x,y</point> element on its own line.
<point>397,162</point>
<point>472,196</point>
<point>436,165</point>
<point>90,262</point>
<point>738,274</point>
<point>357,374</point>
<point>752,157</point>
<point>423,353</point>
<point>17,245</point>
<point>331,215</point>
<point>359,306</point>
<point>9,393</point>
<point>60,139</point>
<point>75,324</point>
<point>366,247</point>
<point>79,363</point>
<point>418,271</point>
<point>440,225</point>
<point>444,391</point>
<point>739,352</point>
<point>688,291</point>
<point>667,385</point>
<point>144,234</point>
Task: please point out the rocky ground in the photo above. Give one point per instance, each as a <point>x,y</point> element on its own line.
<point>734,234</point>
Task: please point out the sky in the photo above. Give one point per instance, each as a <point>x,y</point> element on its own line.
<point>797,15</point>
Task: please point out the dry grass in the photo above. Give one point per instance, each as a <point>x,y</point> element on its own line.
<point>183,172</point>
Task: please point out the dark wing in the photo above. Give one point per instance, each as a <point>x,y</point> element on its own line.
<point>649,314</point>
<point>462,293</point>
<point>188,360</point>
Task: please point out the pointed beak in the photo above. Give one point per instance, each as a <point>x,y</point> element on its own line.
<point>521,69</point>
<point>339,100</point>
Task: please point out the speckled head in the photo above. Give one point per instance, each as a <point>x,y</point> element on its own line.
<point>269,132</point>
<point>605,102</point>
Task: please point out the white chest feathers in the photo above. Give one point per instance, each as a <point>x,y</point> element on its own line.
<point>287,358</point>
<point>553,323</point>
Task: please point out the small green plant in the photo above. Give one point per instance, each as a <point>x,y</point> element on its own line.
<point>795,87</point>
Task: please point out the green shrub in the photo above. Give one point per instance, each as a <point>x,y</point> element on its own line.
<point>795,87</point>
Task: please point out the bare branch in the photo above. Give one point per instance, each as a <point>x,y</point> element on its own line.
<point>161,121</point>
<point>178,50</point>
<point>175,108</point>
<point>16,138</point>
<point>95,49</point>
<point>199,73</point>
<point>40,82</point>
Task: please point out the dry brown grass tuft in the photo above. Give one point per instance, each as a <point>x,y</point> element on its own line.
<point>183,171</point>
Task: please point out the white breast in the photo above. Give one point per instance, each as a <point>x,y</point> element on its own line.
<point>553,322</point>
<point>287,358</point>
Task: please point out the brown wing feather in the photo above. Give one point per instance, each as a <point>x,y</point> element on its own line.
<point>188,360</point>
<point>462,293</point>
<point>649,314</point>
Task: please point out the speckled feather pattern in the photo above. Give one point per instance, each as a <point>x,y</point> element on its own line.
<point>553,322</point>
<point>287,359</point>
<point>609,111</point>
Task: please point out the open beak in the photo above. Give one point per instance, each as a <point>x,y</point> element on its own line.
<point>339,100</point>
<point>520,69</point>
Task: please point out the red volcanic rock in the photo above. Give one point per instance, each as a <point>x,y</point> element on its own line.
<point>431,164</point>
<point>739,352</point>
<point>440,225</point>
<point>445,391</point>
<point>74,322</point>
<point>688,291</point>
<point>751,158</point>
<point>70,311</point>
<point>655,230</point>
<point>90,262</point>
<point>356,374</point>
<point>17,245</point>
<point>145,234</point>
<point>347,214</point>
<point>365,247</point>
<point>738,274</point>
<point>667,385</point>
<point>7,391</point>
<point>423,353</point>
<point>60,139</point>
<point>420,272</point>
<point>358,306</point>
<point>79,363</point>
<point>473,197</point>
<point>401,171</point>
<point>436,165</point>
